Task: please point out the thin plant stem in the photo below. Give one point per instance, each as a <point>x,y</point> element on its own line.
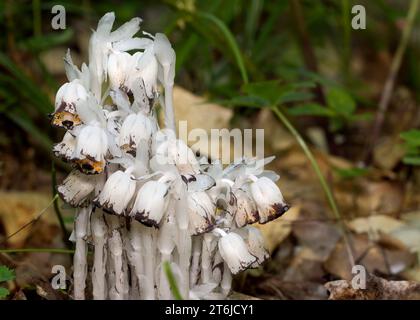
<point>36,11</point>
<point>57,209</point>
<point>390,81</point>
<point>321,178</point>
<point>49,250</point>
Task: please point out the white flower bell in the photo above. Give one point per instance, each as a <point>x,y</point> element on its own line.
<point>246,209</point>
<point>235,253</point>
<point>117,192</point>
<point>76,188</point>
<point>151,203</point>
<point>269,200</point>
<point>68,96</point>
<point>201,210</point>
<point>66,147</point>
<point>91,148</point>
<point>136,128</point>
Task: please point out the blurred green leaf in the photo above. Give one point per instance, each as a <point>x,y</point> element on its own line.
<point>412,137</point>
<point>40,43</point>
<point>294,96</point>
<point>412,160</point>
<point>23,121</point>
<point>270,91</point>
<point>311,109</point>
<point>6,274</point>
<point>351,173</point>
<point>3,293</point>
<point>340,101</point>
<point>244,101</point>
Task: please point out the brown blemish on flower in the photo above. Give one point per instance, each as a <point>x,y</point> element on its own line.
<point>277,210</point>
<point>90,166</point>
<point>65,119</point>
<point>253,217</point>
<point>143,217</point>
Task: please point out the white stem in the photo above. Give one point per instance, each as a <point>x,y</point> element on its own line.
<point>195,264</point>
<point>206,256</point>
<point>226,284</point>
<point>137,260</point>
<point>149,264</point>
<point>117,289</point>
<point>79,260</point>
<point>164,290</point>
<point>99,232</point>
<point>169,108</point>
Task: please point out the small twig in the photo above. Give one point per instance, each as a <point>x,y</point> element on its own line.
<point>390,81</point>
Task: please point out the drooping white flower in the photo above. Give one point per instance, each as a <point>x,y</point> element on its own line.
<point>201,210</point>
<point>66,147</point>
<point>235,253</point>
<point>119,65</point>
<point>147,69</point>
<point>170,151</point>
<point>269,199</point>
<point>255,243</point>
<point>67,98</point>
<point>91,148</point>
<point>135,128</point>
<point>117,192</point>
<point>246,210</point>
<point>151,203</point>
<point>76,188</point>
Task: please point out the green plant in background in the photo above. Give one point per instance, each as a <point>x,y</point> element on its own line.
<point>412,145</point>
<point>6,274</point>
<point>340,109</point>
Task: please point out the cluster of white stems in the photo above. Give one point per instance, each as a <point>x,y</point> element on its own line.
<point>142,196</point>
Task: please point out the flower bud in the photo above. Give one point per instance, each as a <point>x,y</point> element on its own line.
<point>76,188</point>
<point>246,212</point>
<point>235,253</point>
<point>269,200</point>
<point>69,94</point>
<point>135,128</point>
<point>91,148</point>
<point>119,64</point>
<point>66,147</point>
<point>117,193</point>
<point>147,69</point>
<point>151,203</point>
<point>255,242</point>
<point>201,210</point>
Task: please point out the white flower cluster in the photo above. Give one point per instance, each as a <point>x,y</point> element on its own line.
<point>143,197</point>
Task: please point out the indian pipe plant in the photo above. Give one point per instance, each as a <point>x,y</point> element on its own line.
<point>142,197</point>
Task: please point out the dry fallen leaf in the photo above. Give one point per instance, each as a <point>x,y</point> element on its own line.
<point>375,224</point>
<point>19,208</point>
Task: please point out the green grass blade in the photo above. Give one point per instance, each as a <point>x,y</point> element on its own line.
<point>220,25</point>
<point>172,282</point>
